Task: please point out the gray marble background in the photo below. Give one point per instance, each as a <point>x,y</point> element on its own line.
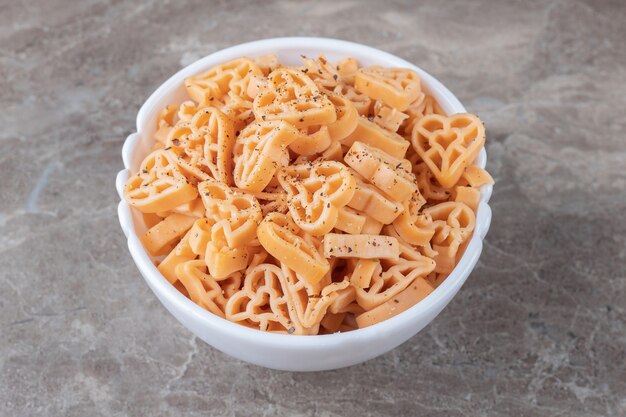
<point>539,328</point>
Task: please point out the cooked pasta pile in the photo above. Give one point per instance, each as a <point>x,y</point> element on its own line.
<point>311,199</point>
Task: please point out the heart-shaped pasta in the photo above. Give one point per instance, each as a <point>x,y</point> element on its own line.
<point>236,214</point>
<point>396,87</point>
<point>419,289</point>
<point>279,236</point>
<point>272,200</point>
<point>159,185</point>
<point>412,225</point>
<point>267,63</point>
<point>328,75</point>
<point>448,144</point>
<point>187,110</point>
<point>347,116</point>
<point>237,103</point>
<point>316,193</point>
<point>395,277</point>
<point>233,217</point>
<point>309,302</point>
<point>333,152</point>
<point>312,140</point>
<point>203,289</point>
<point>428,185</point>
<point>260,150</point>
<point>204,145</point>
<point>321,71</point>
<point>211,85</point>
<point>362,103</point>
<point>262,302</point>
<point>293,97</point>
<point>189,150</point>
<point>453,223</point>
<point>238,109</point>
<point>423,106</point>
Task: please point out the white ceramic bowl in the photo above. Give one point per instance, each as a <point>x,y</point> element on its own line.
<point>290,352</point>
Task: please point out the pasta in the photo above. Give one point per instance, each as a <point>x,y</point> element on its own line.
<point>308,200</point>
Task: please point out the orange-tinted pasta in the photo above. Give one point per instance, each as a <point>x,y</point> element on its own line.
<point>308,200</point>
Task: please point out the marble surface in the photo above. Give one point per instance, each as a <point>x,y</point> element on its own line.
<point>539,328</point>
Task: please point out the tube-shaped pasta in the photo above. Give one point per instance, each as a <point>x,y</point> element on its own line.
<point>389,174</point>
<point>200,235</point>
<point>181,253</point>
<point>374,203</point>
<point>160,235</point>
<point>363,271</point>
<point>371,134</point>
<point>350,221</point>
<point>404,300</point>
<point>360,246</point>
<point>477,176</point>
<point>387,117</point>
<point>468,196</point>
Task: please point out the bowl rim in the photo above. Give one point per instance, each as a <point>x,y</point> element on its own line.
<point>162,287</point>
